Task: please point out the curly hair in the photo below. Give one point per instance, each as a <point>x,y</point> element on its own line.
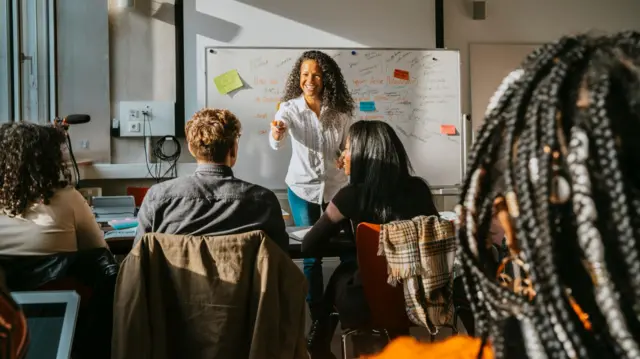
<point>560,147</point>
<point>33,166</point>
<point>211,133</point>
<point>335,93</point>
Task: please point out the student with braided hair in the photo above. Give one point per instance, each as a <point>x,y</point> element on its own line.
<point>557,162</point>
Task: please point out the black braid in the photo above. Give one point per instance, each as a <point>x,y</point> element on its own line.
<point>531,121</point>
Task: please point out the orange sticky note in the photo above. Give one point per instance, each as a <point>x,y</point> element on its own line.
<point>401,74</point>
<point>448,129</point>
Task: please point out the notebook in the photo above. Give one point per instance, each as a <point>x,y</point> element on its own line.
<point>51,321</point>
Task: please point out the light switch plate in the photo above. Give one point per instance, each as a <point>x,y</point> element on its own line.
<point>146,118</point>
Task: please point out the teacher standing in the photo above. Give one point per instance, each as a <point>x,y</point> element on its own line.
<point>316,112</point>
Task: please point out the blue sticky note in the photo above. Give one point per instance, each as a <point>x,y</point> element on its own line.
<point>367,106</point>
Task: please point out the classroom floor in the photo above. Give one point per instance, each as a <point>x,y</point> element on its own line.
<point>328,266</point>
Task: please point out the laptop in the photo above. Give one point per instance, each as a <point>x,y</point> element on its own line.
<point>113,208</point>
<point>51,321</point>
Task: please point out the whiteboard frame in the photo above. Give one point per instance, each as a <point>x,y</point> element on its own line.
<point>442,188</point>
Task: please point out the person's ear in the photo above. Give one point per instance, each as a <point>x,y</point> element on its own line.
<point>235,149</point>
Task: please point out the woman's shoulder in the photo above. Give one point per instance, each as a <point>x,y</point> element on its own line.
<point>67,193</point>
<point>290,105</point>
<point>347,197</point>
<point>416,183</point>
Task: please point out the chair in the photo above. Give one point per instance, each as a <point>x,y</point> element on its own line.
<point>386,303</point>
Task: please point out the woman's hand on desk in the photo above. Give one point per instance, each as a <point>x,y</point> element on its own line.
<point>278,129</point>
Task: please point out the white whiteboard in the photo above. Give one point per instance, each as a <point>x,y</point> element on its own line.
<point>416,108</point>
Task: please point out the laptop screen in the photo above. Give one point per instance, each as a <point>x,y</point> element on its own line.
<point>51,320</point>
<point>44,321</point>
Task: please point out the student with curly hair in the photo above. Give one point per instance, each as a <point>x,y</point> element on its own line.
<point>316,112</point>
<point>212,201</point>
<point>40,213</point>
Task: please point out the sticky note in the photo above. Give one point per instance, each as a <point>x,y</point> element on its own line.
<point>367,106</point>
<point>448,129</point>
<point>278,106</point>
<point>401,74</point>
<point>228,82</point>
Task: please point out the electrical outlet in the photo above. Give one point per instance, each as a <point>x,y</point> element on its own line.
<point>134,126</point>
<point>157,117</point>
<point>146,111</point>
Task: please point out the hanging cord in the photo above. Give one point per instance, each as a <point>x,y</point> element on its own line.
<point>157,149</point>
<point>171,158</point>
<point>73,160</point>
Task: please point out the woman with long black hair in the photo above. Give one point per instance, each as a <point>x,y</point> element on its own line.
<point>381,189</point>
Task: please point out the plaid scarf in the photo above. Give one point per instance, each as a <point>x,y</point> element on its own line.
<point>420,253</point>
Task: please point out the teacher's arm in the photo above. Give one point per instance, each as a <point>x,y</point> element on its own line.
<point>279,128</point>
<point>348,121</point>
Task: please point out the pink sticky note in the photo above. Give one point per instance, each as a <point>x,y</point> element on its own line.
<point>448,129</point>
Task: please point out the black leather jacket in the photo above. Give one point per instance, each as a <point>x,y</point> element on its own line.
<point>96,269</point>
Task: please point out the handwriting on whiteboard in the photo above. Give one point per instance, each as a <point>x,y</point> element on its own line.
<point>416,104</point>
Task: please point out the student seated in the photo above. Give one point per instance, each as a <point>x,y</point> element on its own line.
<point>48,234</point>
<point>558,159</point>
<point>381,189</point>
<point>40,214</point>
<point>212,201</point>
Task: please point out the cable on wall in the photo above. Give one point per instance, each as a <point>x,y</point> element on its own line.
<point>158,151</point>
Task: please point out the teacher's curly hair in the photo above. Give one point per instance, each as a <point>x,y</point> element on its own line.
<point>335,95</point>
<point>32,164</point>
<point>559,153</point>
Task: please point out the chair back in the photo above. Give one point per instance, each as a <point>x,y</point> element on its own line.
<point>386,302</point>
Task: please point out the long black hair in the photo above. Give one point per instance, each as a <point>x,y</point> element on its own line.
<point>380,165</point>
<point>560,143</point>
<point>32,165</point>
<point>335,93</point>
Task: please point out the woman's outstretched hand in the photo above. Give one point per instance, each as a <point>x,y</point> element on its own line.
<point>278,129</point>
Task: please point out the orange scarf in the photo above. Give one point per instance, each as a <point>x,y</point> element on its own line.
<point>456,347</point>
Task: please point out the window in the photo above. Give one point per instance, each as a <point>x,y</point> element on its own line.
<point>27,60</point>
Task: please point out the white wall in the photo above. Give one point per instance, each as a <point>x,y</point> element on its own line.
<point>141,51</point>
<point>299,23</point>
<point>142,46</point>
<point>527,21</point>
<point>83,73</point>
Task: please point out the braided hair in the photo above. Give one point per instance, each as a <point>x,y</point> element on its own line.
<point>560,145</point>
<point>335,93</point>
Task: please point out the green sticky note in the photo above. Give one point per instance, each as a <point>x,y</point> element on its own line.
<point>228,82</point>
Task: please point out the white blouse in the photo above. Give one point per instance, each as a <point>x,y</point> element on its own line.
<point>66,224</point>
<point>313,174</point>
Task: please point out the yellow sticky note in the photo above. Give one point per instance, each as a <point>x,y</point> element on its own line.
<point>228,82</point>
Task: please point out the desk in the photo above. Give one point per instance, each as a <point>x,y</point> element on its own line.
<point>336,246</point>
<point>122,245</point>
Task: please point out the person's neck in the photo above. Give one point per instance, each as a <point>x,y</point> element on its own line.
<point>227,162</point>
<point>314,103</point>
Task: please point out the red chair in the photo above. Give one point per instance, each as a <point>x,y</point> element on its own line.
<point>386,303</point>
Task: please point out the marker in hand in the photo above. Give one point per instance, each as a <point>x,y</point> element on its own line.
<point>278,129</point>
